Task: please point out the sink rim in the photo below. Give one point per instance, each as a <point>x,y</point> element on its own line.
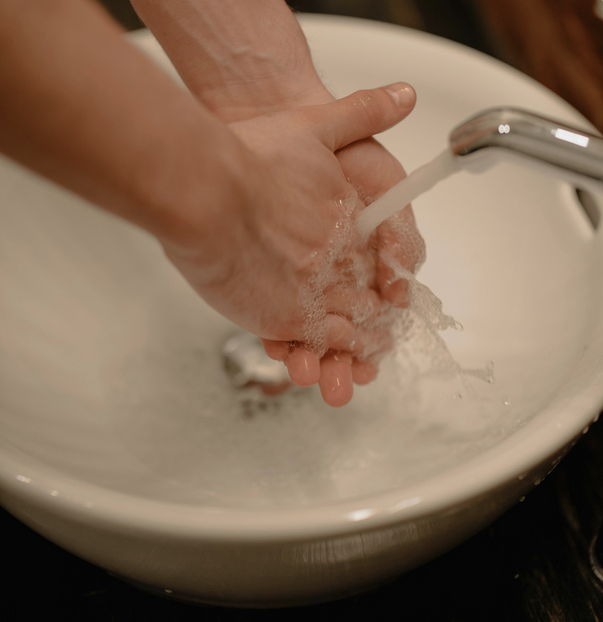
<point>477,476</point>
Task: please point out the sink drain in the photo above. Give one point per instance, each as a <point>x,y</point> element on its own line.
<point>249,366</point>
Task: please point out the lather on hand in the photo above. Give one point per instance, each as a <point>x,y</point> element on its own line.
<point>247,59</point>
<point>81,106</point>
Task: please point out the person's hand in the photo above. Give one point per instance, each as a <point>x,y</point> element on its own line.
<point>371,170</point>
<point>245,60</point>
<point>268,246</point>
<point>264,196</point>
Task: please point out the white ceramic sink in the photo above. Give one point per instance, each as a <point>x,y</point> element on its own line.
<point>122,440</point>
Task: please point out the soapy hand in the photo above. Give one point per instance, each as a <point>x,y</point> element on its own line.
<point>371,170</point>
<point>268,246</point>
<point>247,213</point>
<point>260,63</point>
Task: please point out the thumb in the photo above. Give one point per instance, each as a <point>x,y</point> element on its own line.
<point>363,114</point>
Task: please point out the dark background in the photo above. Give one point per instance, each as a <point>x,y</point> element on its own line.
<point>557,42</point>
<point>539,562</point>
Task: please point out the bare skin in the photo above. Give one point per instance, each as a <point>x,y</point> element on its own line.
<point>228,203</point>
<point>247,59</point>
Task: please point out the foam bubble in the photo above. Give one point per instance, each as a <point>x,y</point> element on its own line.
<point>418,349</point>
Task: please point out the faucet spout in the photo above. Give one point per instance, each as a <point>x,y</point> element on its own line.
<point>533,140</point>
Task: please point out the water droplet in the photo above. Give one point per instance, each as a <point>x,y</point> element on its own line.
<point>585,430</point>
<point>520,477</point>
<point>522,499</point>
<point>537,482</point>
<point>516,576</point>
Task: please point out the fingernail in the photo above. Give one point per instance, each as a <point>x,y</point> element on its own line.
<point>403,94</point>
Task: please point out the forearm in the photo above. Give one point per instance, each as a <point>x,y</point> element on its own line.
<point>238,56</point>
<point>80,106</point>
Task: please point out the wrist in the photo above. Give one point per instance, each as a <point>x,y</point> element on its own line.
<point>191,187</point>
<point>239,59</point>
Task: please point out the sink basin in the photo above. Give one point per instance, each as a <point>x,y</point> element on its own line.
<point>123,441</point>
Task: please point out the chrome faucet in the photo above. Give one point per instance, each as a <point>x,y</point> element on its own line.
<point>518,135</point>
<point>503,134</point>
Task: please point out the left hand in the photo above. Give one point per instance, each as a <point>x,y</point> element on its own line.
<point>257,263</point>
<point>246,60</point>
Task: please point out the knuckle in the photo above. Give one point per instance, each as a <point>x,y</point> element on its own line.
<point>340,332</point>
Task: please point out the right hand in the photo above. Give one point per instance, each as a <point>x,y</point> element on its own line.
<point>266,247</point>
<point>250,59</point>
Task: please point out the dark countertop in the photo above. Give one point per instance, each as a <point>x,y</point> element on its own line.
<point>533,564</point>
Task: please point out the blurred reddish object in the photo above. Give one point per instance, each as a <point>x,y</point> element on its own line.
<point>557,42</point>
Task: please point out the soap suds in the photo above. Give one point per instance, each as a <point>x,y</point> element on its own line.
<point>418,347</point>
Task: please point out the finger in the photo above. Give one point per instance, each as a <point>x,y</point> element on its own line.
<point>303,367</point>
<point>275,389</point>
<point>353,304</point>
<point>399,241</point>
<point>276,350</point>
<point>393,288</point>
<point>335,383</point>
<point>363,114</point>
<point>363,372</point>
<point>400,238</point>
<point>372,169</point>
<point>342,335</point>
